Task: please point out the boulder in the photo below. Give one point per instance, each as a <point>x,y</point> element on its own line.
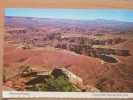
<point>74,79</point>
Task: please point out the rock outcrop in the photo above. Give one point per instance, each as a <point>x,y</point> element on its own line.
<point>27,77</point>
<point>74,79</point>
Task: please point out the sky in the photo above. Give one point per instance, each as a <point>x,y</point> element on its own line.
<point>76,14</point>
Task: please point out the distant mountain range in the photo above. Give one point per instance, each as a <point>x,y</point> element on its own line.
<point>113,24</point>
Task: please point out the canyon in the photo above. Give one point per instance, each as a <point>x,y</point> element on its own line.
<point>99,51</point>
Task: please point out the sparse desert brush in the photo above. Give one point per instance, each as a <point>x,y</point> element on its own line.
<point>60,83</point>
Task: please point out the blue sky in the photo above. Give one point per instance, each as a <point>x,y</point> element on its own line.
<point>77,14</point>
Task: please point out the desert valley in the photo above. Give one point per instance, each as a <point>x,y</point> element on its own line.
<point>98,52</point>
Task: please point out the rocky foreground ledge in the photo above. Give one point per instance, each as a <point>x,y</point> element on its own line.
<point>57,79</point>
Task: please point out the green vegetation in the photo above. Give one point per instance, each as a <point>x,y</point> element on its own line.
<point>60,83</point>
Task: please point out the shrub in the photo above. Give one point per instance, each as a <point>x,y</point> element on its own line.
<point>60,83</point>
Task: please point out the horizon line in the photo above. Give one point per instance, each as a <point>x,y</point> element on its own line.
<point>72,19</point>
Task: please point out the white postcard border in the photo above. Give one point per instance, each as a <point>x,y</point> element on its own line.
<point>25,94</point>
